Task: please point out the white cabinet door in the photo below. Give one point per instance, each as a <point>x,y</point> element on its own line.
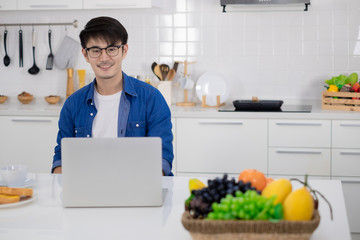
<point>8,5</point>
<point>345,162</point>
<point>29,141</point>
<point>300,133</point>
<point>345,134</point>
<point>108,4</point>
<point>49,4</point>
<point>299,161</point>
<point>221,145</point>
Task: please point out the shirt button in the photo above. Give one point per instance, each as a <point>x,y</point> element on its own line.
<point>137,125</point>
<point>91,114</point>
<point>75,131</point>
<point>92,103</point>
<point>88,135</point>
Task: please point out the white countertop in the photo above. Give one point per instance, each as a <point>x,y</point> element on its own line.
<point>45,218</point>
<point>12,107</point>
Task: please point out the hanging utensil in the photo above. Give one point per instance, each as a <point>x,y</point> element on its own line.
<point>6,58</point>
<point>50,59</point>
<point>164,71</point>
<point>21,56</point>
<point>34,69</point>
<point>171,74</point>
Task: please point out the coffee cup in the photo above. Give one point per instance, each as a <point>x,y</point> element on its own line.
<point>14,175</point>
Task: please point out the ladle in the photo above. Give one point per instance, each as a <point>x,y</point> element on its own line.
<point>6,58</point>
<point>34,69</point>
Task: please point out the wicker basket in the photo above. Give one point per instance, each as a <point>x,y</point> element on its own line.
<point>250,230</point>
<point>3,99</point>
<point>25,99</point>
<point>52,99</point>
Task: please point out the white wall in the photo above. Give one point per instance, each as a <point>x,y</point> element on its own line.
<point>265,54</point>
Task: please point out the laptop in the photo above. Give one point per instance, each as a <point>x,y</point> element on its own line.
<point>111,172</point>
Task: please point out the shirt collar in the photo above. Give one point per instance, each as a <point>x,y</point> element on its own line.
<point>128,88</point>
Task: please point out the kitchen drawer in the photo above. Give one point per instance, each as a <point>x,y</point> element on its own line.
<point>345,162</point>
<point>299,161</point>
<point>221,145</point>
<point>107,4</point>
<point>8,5</point>
<point>300,133</point>
<point>46,4</point>
<point>345,134</point>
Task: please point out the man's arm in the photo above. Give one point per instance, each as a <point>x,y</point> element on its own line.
<point>57,170</point>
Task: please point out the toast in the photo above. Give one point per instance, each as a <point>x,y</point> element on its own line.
<point>21,192</point>
<point>4,199</point>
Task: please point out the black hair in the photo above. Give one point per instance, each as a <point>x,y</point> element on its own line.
<point>105,28</point>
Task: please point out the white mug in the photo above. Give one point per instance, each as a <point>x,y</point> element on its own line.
<point>14,175</point>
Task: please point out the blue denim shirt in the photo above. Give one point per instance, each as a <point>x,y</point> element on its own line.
<point>143,111</point>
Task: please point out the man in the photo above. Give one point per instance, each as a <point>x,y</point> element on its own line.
<point>114,104</point>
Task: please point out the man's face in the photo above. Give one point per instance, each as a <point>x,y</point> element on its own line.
<point>105,66</point>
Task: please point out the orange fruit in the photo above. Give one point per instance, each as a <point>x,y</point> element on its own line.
<point>257,178</point>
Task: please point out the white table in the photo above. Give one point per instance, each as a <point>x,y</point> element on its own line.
<point>45,218</point>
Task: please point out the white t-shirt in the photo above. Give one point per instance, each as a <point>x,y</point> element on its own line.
<point>105,124</point>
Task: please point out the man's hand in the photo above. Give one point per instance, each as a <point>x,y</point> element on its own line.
<point>57,170</point>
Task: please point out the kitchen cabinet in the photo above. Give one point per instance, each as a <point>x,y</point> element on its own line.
<point>28,140</point>
<point>47,5</point>
<point>299,147</point>
<point>220,145</point>
<point>111,4</point>
<point>8,5</point>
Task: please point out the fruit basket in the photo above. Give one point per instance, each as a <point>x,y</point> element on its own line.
<point>343,101</point>
<point>3,98</point>
<point>201,229</point>
<point>52,99</point>
<point>25,97</point>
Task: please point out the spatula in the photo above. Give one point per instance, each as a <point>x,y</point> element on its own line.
<point>157,72</point>
<point>50,59</point>
<point>164,71</point>
<point>153,65</point>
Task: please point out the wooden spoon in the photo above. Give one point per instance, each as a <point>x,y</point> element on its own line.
<point>171,74</point>
<point>164,71</point>
<point>157,72</point>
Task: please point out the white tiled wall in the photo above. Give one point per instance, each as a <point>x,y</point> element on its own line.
<point>264,54</point>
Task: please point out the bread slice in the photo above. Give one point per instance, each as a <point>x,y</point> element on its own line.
<point>8,199</point>
<point>22,192</point>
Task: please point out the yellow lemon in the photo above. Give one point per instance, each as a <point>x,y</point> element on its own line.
<point>195,184</point>
<point>281,188</point>
<point>299,205</point>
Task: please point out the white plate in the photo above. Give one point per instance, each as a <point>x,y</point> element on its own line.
<point>212,84</point>
<point>29,182</point>
<point>22,202</point>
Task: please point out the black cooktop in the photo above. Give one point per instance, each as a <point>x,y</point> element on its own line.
<point>284,108</point>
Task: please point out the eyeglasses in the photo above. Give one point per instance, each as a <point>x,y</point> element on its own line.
<point>112,51</point>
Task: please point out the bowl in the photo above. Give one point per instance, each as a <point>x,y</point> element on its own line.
<point>25,97</point>
<point>3,98</point>
<point>52,99</point>
<point>14,175</point>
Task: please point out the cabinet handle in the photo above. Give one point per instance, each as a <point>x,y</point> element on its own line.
<point>350,181</point>
<point>349,125</point>
<point>116,5</point>
<point>298,152</point>
<point>49,6</point>
<point>30,120</point>
<point>220,123</point>
<point>350,153</point>
<point>298,124</point>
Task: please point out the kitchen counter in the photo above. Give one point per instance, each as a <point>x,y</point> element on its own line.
<point>41,108</point>
<point>45,218</point>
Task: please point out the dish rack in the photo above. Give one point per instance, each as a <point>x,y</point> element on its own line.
<point>201,229</point>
